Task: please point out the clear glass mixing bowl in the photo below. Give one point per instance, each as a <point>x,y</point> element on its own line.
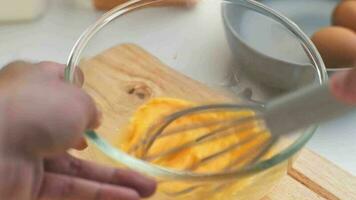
<point>240,48</point>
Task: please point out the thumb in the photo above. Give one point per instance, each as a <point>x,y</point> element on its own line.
<point>61,125</point>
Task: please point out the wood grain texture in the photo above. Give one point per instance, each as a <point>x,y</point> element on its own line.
<point>124,77</point>
<point>291,189</point>
<point>109,4</point>
<point>323,177</point>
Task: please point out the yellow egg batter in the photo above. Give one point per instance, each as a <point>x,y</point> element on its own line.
<point>191,158</point>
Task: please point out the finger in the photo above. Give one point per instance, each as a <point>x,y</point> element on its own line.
<point>59,71</point>
<point>81,145</point>
<point>78,77</point>
<point>343,86</point>
<point>10,72</point>
<point>83,115</point>
<point>93,114</point>
<point>53,68</point>
<point>69,165</point>
<point>58,187</point>
<point>97,120</point>
<point>72,112</point>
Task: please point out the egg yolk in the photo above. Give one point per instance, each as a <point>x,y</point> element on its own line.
<point>197,157</point>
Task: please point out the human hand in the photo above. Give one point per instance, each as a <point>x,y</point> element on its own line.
<point>343,86</point>
<point>41,117</point>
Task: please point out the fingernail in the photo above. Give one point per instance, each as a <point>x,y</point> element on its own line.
<point>82,144</point>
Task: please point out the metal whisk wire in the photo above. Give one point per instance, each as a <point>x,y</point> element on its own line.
<point>225,128</point>
<point>156,130</point>
<point>210,136</point>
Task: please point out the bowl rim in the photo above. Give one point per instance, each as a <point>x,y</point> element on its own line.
<point>151,169</point>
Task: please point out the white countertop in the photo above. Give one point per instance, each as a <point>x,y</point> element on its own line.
<point>51,38</point>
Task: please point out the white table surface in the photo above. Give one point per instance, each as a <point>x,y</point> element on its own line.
<point>51,38</point>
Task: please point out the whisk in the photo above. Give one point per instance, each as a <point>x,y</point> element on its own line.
<point>284,115</point>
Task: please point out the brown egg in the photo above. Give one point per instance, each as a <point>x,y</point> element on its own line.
<point>345,15</point>
<point>337,46</point>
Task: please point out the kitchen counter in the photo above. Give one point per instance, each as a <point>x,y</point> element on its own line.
<point>52,37</point>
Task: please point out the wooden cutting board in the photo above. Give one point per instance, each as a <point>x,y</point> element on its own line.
<point>110,4</point>
<point>142,76</point>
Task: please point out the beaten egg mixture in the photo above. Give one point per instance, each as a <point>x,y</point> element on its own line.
<point>194,158</point>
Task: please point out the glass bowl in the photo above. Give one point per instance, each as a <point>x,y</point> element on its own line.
<point>238,48</point>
